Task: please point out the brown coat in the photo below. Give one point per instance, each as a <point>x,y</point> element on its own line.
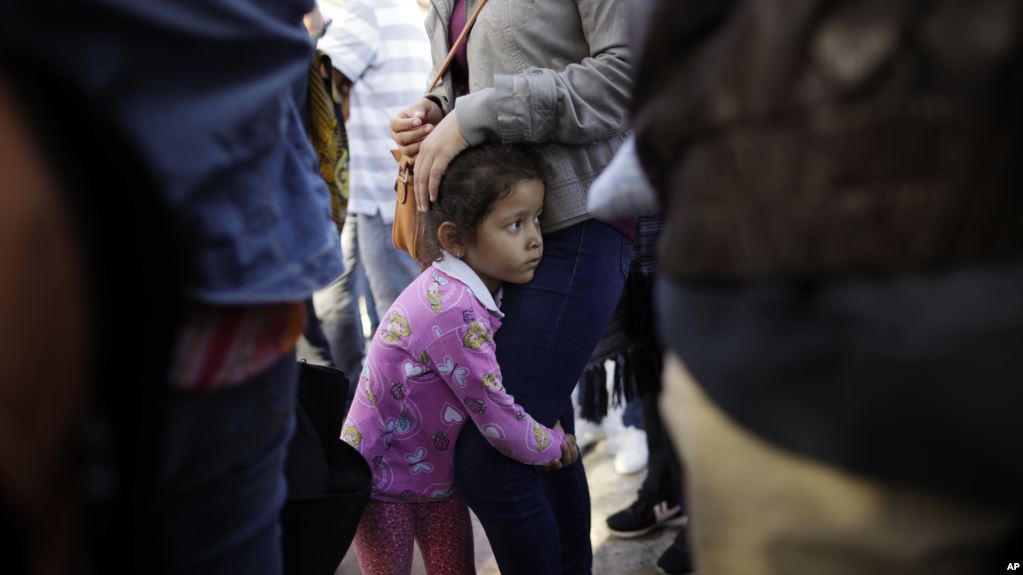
<point>790,138</point>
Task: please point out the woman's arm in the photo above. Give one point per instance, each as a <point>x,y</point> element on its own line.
<point>586,101</point>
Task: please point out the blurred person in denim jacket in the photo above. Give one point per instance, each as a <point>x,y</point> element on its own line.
<point>842,269</point>
<point>201,95</point>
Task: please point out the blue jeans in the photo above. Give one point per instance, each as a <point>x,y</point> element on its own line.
<point>388,269</point>
<point>221,482</point>
<point>338,309</point>
<point>538,522</point>
<point>374,268</point>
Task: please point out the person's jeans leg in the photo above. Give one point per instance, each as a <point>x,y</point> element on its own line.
<point>632,415</point>
<point>337,308</point>
<point>663,477</point>
<point>511,504</point>
<point>551,327</point>
<point>569,495</point>
<point>221,479</point>
<point>312,345</point>
<point>388,269</point>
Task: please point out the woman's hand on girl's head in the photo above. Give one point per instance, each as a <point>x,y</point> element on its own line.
<point>436,151</point>
<point>411,125</point>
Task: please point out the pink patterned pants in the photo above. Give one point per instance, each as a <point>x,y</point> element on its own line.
<point>383,542</point>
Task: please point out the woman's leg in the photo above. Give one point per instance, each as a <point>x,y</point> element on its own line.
<point>539,522</point>
<point>444,533</point>
<point>383,542</point>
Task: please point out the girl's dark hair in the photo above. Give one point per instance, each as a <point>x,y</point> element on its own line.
<point>475,179</point>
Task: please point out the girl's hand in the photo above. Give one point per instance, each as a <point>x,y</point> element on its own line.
<point>436,151</point>
<point>569,453</point>
<point>411,125</point>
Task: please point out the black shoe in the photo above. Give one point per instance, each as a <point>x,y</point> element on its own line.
<point>676,559</point>
<point>645,515</point>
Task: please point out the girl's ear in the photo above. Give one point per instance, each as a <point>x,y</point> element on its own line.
<point>447,235</point>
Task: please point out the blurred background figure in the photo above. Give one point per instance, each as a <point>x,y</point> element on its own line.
<point>659,501</point>
<point>197,273</point>
<point>43,301</point>
<point>379,59</point>
<point>841,278</point>
<point>344,309</point>
<point>624,189</point>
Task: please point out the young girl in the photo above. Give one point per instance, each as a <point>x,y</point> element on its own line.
<point>431,366</point>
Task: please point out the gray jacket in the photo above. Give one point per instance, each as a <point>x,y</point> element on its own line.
<point>551,72</point>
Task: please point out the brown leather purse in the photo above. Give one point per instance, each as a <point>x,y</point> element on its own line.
<point>408,226</point>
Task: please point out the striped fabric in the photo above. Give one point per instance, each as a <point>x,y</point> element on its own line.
<point>225,345</point>
<point>382,47</point>
<point>329,140</point>
<point>644,248</point>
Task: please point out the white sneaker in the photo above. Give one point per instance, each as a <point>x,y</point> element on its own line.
<point>631,454</point>
<point>587,433</point>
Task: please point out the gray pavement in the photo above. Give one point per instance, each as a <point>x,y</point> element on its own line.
<point>609,492</point>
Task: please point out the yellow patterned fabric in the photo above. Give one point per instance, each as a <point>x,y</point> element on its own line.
<point>327,133</point>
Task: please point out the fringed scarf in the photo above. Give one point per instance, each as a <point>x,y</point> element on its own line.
<point>629,340</point>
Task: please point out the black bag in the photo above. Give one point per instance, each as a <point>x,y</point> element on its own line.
<point>328,480</point>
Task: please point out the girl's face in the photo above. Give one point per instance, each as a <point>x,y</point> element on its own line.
<point>508,244</point>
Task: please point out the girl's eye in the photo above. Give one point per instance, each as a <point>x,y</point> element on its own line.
<point>515,225</point>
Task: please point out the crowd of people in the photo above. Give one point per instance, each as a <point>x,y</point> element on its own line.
<point>806,214</point>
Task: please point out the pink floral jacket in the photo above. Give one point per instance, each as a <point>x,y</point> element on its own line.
<point>430,367</point>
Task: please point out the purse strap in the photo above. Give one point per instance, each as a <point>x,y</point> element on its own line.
<point>458,44</point>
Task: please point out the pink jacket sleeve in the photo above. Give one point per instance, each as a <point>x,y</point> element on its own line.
<point>465,359</point>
